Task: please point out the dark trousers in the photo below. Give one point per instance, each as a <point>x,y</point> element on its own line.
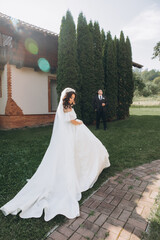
<point>99,115</point>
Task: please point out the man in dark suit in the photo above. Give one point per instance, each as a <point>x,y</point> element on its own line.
<point>99,104</point>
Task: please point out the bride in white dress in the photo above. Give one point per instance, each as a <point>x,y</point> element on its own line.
<point>72,163</point>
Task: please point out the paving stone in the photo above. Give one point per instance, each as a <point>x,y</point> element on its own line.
<point>137,216</point>
<point>69,221</point>
<point>143,184</point>
<point>105,208</point>
<point>146,178</point>
<point>147,199</point>
<point>121,238</point>
<point>137,232</point>
<point>135,198</point>
<point>107,205</point>
<point>138,210</point>
<point>144,204</point>
<point>85,209</point>
<point>105,186</point>
<point>153,194</point>
<point>124,215</point>
<point>138,224</point>
<point>116,207</point>
<point>57,236</point>
<point>95,204</point>
<point>116,200</point>
<point>133,191</point>
<point>112,236</point>
<point>109,190</point>
<point>90,226</point>
<point>146,212</point>
<point>126,232</point>
<point>65,231</point>
<point>94,196</point>
<point>112,228</point>
<point>146,193</point>
<point>93,217</point>
<point>95,238</point>
<point>119,193</point>
<point>120,186</point>
<point>102,194</point>
<point>128,196</point>
<point>102,233</point>
<point>83,238</point>
<point>137,183</point>
<point>85,232</point>
<point>84,215</point>
<point>109,198</point>
<point>88,202</point>
<point>76,223</point>
<point>134,237</point>
<point>75,236</point>
<point>126,187</point>
<point>127,205</point>
<point>128,227</point>
<point>125,235</point>
<point>117,211</point>
<point>101,219</point>
<point>115,222</point>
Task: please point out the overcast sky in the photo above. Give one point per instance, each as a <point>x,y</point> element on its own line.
<point>139,19</point>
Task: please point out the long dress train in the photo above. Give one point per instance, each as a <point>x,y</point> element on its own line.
<point>72,163</point>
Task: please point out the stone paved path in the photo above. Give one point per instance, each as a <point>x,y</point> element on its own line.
<point>118,210</point>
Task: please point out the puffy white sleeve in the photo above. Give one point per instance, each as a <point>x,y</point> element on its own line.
<point>70,116</point>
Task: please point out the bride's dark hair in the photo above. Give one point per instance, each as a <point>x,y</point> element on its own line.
<point>66,103</point>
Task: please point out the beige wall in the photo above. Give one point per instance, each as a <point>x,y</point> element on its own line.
<point>30,90</point>
<point>3,99</point>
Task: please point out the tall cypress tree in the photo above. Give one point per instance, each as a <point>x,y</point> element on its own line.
<point>98,61</point>
<point>111,86</point>
<point>129,77</point>
<point>86,67</point>
<point>116,48</point>
<point>121,110</point>
<point>103,38</point>
<point>67,74</point>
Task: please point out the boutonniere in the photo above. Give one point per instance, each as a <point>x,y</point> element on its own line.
<point>103,98</point>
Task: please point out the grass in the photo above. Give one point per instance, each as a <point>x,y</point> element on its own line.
<point>147,101</point>
<point>130,142</point>
<point>154,226</point>
<point>145,110</point>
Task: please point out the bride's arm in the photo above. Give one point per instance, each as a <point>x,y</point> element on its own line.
<point>76,122</point>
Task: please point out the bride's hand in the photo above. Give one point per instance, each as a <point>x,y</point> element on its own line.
<point>76,122</point>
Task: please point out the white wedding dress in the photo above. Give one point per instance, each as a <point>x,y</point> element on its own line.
<point>72,163</point>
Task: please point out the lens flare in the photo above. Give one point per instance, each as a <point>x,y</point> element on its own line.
<point>44,65</point>
<point>31,46</point>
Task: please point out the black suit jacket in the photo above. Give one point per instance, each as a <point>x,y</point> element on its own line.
<point>97,103</point>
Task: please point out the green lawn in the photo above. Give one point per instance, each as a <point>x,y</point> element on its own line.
<point>141,111</point>
<point>129,142</point>
<point>154,227</point>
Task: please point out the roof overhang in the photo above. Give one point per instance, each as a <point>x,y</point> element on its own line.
<point>137,65</point>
